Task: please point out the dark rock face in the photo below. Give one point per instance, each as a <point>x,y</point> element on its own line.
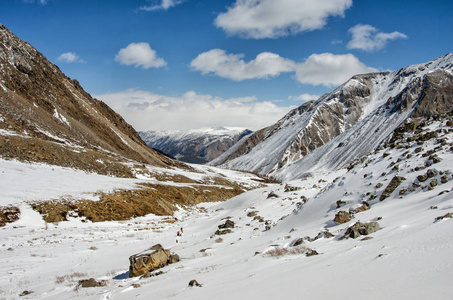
<point>149,260</point>
<point>394,183</point>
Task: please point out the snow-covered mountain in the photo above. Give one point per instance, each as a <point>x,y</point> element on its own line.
<point>353,120</point>
<point>196,145</point>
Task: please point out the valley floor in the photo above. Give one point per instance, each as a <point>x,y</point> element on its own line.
<point>409,257</point>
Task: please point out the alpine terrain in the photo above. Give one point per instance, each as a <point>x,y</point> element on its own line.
<point>194,146</point>
<point>364,208</point>
<point>355,119</point>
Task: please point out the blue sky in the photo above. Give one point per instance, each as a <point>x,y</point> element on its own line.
<point>180,64</point>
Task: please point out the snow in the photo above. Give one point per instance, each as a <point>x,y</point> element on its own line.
<point>408,258</point>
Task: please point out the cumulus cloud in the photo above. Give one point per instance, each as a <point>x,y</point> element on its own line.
<point>70,57</point>
<point>330,69</point>
<point>163,5</point>
<point>258,19</point>
<point>369,38</point>
<point>319,69</point>
<point>232,66</point>
<point>304,97</point>
<point>139,55</point>
<point>150,111</point>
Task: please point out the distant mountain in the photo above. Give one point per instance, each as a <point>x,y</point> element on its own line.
<point>48,117</point>
<point>194,146</point>
<point>347,123</point>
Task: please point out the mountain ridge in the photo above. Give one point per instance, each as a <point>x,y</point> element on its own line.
<point>384,99</point>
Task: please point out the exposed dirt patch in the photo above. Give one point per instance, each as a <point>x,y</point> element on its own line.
<point>8,214</point>
<point>157,199</point>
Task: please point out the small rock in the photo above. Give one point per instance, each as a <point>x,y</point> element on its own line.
<point>25,293</point>
<point>86,283</point>
<point>342,217</point>
<point>193,282</point>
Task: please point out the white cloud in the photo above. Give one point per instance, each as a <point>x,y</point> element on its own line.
<point>329,69</point>
<point>319,69</point>
<point>304,97</point>
<point>140,55</point>
<point>163,5</point>
<point>70,57</point>
<point>41,2</point>
<point>258,19</point>
<point>232,66</point>
<point>149,111</point>
<point>369,38</point>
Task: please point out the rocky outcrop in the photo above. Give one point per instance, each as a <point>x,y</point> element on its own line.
<point>151,259</point>
<point>394,183</point>
<point>342,217</point>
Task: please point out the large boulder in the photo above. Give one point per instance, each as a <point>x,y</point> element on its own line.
<point>359,229</point>
<point>151,259</point>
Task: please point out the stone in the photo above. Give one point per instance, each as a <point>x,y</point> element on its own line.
<point>151,259</point>
<point>311,252</point>
<point>340,203</point>
<point>359,229</point>
<point>251,214</point>
<point>342,217</point>
<point>222,232</point>
<point>193,283</point>
<point>394,183</point>
<point>227,224</point>
<point>86,283</point>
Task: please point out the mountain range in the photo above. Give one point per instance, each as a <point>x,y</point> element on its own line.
<point>353,120</point>
<point>194,146</point>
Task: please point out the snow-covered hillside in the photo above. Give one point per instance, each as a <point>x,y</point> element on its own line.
<point>195,145</point>
<point>349,122</point>
<point>409,257</point>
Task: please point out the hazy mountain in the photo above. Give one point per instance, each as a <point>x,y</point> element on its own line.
<point>194,146</point>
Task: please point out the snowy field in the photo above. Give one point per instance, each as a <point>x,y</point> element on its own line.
<point>410,257</point>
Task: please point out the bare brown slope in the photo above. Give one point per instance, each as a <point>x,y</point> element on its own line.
<point>37,101</point>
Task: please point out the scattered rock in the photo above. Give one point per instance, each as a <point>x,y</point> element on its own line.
<point>311,252</point>
<point>448,215</point>
<point>296,242</point>
<point>272,195</point>
<point>365,206</point>
<point>25,293</point>
<point>289,188</point>
<point>340,203</point>
<point>87,283</point>
<point>222,232</point>
<point>342,217</point>
<point>394,183</point>
<point>359,229</point>
<point>193,283</point>
<point>251,214</point>
<point>227,224</point>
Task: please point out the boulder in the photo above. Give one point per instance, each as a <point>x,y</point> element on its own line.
<point>359,229</point>
<point>86,283</point>
<point>193,282</point>
<point>227,224</point>
<point>342,217</point>
<point>151,259</point>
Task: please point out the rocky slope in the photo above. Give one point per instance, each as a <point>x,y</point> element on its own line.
<point>47,117</point>
<point>194,146</point>
<point>353,120</point>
